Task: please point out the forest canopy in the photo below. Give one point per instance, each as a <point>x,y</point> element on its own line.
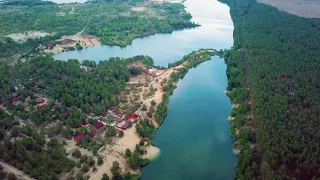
<point>276,57</point>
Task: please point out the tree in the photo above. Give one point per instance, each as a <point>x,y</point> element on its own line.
<point>141,143</point>
<point>115,169</point>
<point>144,107</point>
<point>134,161</point>
<point>91,161</point>
<point>128,153</point>
<point>85,168</point>
<point>110,132</point>
<point>100,160</point>
<point>121,134</point>
<point>76,153</point>
<point>153,103</point>
<point>15,131</point>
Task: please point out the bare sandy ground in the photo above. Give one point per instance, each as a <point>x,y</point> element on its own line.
<point>115,152</point>
<point>83,40</point>
<point>22,37</point>
<point>303,8</point>
<point>156,84</point>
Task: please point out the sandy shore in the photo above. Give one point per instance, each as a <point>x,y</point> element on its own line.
<point>84,40</point>
<point>115,152</point>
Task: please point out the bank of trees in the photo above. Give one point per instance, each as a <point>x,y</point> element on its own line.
<point>280,53</point>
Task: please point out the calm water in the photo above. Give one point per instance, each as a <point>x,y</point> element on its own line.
<point>194,138</point>
<point>216,32</point>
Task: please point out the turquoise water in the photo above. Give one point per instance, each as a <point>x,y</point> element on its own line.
<point>216,31</point>
<point>194,138</point>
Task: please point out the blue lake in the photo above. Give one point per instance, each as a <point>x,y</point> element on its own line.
<point>216,31</point>
<point>194,139</point>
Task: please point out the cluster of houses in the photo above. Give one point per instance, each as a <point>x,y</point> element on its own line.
<point>97,125</point>
<point>121,123</point>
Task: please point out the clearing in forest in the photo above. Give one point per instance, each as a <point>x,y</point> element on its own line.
<point>303,8</point>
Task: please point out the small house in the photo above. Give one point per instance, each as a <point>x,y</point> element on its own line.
<point>16,99</point>
<point>132,116</point>
<point>39,100</point>
<point>123,125</point>
<point>78,137</point>
<point>84,122</point>
<point>98,125</point>
<point>67,113</point>
<point>40,108</point>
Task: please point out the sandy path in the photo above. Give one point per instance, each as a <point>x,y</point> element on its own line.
<point>19,174</point>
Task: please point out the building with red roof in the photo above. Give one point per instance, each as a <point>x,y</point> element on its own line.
<point>123,125</point>
<point>84,122</point>
<point>92,135</point>
<point>98,125</point>
<point>67,113</point>
<point>40,108</point>
<point>132,116</point>
<point>15,99</point>
<point>36,83</point>
<point>39,100</point>
<point>78,137</point>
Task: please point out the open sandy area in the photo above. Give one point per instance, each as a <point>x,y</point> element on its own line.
<point>22,37</point>
<point>148,82</point>
<point>115,152</point>
<point>303,8</point>
<point>83,40</point>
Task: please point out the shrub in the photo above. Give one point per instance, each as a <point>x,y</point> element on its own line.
<point>76,153</point>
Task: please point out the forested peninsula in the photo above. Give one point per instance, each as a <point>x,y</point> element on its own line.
<point>273,74</point>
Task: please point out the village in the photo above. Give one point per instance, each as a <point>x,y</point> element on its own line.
<point>113,132</point>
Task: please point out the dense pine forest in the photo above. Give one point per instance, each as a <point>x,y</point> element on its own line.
<point>274,75</point>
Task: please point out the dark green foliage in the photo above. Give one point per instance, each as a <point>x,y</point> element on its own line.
<point>141,143</point>
<point>135,70</point>
<point>116,170</point>
<point>28,155</point>
<point>85,168</point>
<point>105,177</point>
<point>153,103</point>
<point>144,107</point>
<point>11,176</point>
<point>100,160</point>
<point>76,153</point>
<point>121,134</point>
<point>145,128</point>
<point>280,54</point>
<point>83,159</point>
<point>128,153</point>
<point>91,161</point>
<point>14,131</point>
<point>111,131</point>
<point>134,160</point>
